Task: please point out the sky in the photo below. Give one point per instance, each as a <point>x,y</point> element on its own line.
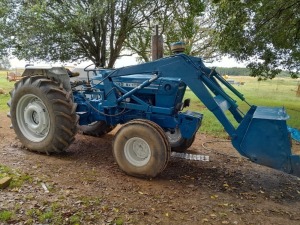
<point>225,62</point>
<point>129,60</point>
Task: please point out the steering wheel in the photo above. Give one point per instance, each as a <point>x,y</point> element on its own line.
<point>86,68</point>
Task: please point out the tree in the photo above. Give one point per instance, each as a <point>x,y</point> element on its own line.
<point>139,41</point>
<point>266,33</point>
<point>4,63</point>
<point>6,7</point>
<point>178,21</point>
<point>58,30</point>
<point>191,24</point>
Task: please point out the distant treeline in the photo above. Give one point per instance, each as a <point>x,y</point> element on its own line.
<point>233,71</point>
<point>240,71</point>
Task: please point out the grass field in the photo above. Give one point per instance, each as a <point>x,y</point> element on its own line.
<point>6,86</point>
<point>276,92</point>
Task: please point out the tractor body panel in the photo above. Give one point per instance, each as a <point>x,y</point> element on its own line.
<point>159,102</point>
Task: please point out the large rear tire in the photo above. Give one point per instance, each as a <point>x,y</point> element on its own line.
<point>140,149</point>
<point>96,129</point>
<point>43,114</point>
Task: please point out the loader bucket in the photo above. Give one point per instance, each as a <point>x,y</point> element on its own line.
<point>263,137</point>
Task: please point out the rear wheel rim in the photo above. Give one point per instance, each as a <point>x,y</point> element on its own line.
<point>33,118</point>
<point>137,151</point>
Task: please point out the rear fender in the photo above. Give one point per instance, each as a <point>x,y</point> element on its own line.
<point>58,74</point>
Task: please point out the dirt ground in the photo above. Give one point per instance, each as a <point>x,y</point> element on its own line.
<point>85,186</point>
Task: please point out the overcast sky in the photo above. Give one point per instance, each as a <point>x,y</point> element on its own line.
<point>129,60</point>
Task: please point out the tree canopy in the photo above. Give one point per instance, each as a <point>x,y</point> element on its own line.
<point>5,8</point>
<point>59,30</point>
<point>265,33</point>
<point>4,63</point>
<point>185,21</point>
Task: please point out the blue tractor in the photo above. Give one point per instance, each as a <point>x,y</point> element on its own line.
<point>47,108</point>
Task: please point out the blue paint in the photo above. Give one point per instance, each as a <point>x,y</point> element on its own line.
<point>295,134</point>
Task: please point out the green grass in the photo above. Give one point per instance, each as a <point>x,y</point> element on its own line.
<point>6,86</point>
<point>75,219</point>
<point>6,215</point>
<point>17,178</point>
<point>277,92</point>
<point>46,216</point>
<point>118,221</point>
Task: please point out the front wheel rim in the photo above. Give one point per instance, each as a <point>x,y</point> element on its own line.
<point>174,137</point>
<point>137,151</point>
<point>33,118</point>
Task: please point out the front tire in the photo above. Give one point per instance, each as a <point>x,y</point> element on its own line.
<point>177,142</point>
<point>43,114</point>
<point>140,149</point>
<point>96,129</point>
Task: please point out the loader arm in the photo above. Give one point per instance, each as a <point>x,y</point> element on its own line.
<point>200,79</point>
<point>262,134</point>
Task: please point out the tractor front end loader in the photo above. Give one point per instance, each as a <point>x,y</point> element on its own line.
<point>148,100</point>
